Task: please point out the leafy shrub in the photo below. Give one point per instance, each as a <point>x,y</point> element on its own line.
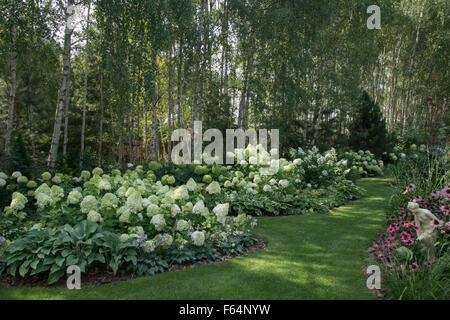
<point>53,250</point>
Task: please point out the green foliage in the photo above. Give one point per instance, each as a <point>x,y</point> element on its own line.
<point>52,250</point>
<point>368,128</point>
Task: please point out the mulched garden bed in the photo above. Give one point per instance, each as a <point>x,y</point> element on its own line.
<point>99,277</point>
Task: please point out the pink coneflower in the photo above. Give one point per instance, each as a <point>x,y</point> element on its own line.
<point>447,225</point>
<point>416,228</point>
<point>437,223</point>
<point>392,218</point>
<point>414,267</point>
<point>410,241</point>
<point>418,199</point>
<point>402,215</point>
<point>446,192</point>
<point>396,226</point>
<point>436,195</point>
<point>445,209</point>
<point>391,229</point>
<point>406,236</point>
<point>428,264</point>
<point>443,231</point>
<point>410,188</point>
<point>406,224</point>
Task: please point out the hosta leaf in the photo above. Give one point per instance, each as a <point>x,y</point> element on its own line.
<point>59,261</point>
<point>34,264</point>
<point>71,260</point>
<point>24,268</point>
<point>55,276</point>
<point>65,253</point>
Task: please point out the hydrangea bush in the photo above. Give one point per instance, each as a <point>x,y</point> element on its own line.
<point>169,213</point>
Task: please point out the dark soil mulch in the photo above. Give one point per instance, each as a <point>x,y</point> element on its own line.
<point>98,277</point>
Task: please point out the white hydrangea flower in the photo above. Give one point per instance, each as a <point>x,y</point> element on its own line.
<point>325,173</point>
<point>134,202</point>
<point>57,179</point>
<point>124,237</point>
<point>152,210</point>
<point>43,200</point>
<point>221,210</point>
<point>85,175</point>
<point>2,182</point>
<point>16,174</point>
<point>97,171</point>
<point>109,200</point>
<point>158,221</point>
<point>267,188</point>
<point>18,201</point>
<point>74,197</point>
<point>145,203</point>
<point>153,199</point>
<point>198,238</point>
<point>181,193</point>
<point>182,225</point>
<point>284,183</point>
<point>104,185</point>
<point>213,187</point>
<point>57,193</point>
<point>22,180</point>
<point>94,216</point>
<point>191,185</point>
<point>121,191</point>
<point>174,210</point>
<point>136,230</point>
<point>89,203</point>
<point>198,207</point>
<point>125,215</point>
<point>130,191</point>
<point>3,176</point>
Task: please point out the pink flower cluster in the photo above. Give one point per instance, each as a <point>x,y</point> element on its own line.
<point>402,229</point>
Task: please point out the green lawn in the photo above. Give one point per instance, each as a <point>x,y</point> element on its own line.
<point>309,257</point>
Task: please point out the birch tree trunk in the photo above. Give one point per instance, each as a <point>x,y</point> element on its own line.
<point>100,144</point>
<point>180,86</point>
<point>411,69</point>
<point>51,161</point>
<point>66,115</point>
<point>154,144</point>
<point>12,91</point>
<point>86,70</point>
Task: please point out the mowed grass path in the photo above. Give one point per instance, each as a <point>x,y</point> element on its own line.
<point>312,256</point>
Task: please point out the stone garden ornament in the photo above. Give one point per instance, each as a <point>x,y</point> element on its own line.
<point>426,233</point>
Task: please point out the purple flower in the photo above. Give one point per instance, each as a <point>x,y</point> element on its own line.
<point>391,229</point>
<point>410,188</point>
<point>428,264</point>
<point>414,267</point>
<point>2,240</point>
<point>437,223</point>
